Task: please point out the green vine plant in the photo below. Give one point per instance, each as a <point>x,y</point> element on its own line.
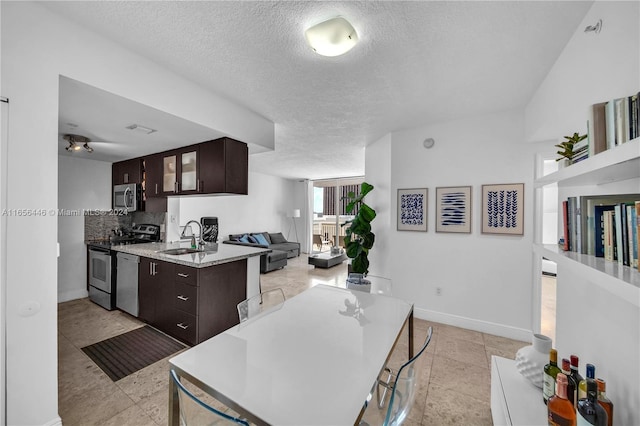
<point>568,145</point>
<point>358,236</point>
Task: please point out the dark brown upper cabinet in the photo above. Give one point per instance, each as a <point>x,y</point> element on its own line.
<point>217,166</point>
<point>128,171</point>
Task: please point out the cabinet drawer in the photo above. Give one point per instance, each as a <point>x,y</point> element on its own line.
<point>186,298</point>
<point>184,327</point>
<point>186,274</point>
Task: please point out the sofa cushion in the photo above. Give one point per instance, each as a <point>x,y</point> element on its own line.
<point>260,239</point>
<point>244,239</point>
<point>264,234</point>
<point>277,238</point>
<point>252,239</point>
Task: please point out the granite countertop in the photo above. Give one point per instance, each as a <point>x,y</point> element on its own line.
<point>213,254</point>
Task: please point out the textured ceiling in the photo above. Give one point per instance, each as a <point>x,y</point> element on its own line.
<point>416,63</point>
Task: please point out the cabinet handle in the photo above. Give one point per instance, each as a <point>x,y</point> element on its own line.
<point>150,268</point>
<point>182,326</point>
<point>183,298</point>
<point>155,271</point>
<point>183,275</point>
<point>156,189</point>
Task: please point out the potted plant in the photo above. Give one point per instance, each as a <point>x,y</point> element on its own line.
<point>567,147</point>
<point>358,236</point>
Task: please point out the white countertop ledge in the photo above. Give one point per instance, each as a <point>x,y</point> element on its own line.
<point>212,255</point>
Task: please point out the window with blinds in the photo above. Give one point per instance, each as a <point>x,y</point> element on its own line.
<point>329,199</point>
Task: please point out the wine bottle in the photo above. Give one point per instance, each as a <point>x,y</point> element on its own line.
<point>604,401</point>
<point>589,411</point>
<point>582,384</point>
<point>572,386</point>
<point>574,371</point>
<point>561,411</point>
<point>551,371</point>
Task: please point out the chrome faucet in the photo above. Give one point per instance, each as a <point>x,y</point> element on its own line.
<point>200,242</point>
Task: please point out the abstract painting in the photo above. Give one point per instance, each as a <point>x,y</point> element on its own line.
<point>503,209</point>
<point>412,209</point>
<point>453,209</point>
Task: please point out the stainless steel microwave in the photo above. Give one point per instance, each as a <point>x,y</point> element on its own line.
<point>126,197</point>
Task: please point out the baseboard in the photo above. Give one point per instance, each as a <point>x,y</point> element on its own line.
<point>54,422</point>
<point>72,295</point>
<point>473,324</point>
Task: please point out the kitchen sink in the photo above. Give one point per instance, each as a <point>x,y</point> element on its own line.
<point>179,251</point>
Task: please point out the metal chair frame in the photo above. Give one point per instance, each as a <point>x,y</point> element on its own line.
<point>391,382</point>
<point>183,390</point>
<point>243,307</point>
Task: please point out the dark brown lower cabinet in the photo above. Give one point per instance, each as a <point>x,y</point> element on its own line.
<point>191,304</point>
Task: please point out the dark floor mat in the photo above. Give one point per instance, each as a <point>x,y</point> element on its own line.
<point>127,353</point>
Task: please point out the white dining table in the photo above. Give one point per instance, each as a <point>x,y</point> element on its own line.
<point>311,361</point>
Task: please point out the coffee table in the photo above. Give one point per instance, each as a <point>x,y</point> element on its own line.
<point>326,260</point>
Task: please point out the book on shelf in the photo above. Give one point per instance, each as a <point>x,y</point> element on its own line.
<point>621,120</point>
<point>573,219</point>
<point>597,129</point>
<point>638,230</point>
<point>565,225</point>
<point>609,235</point>
<point>599,220</point>
<point>621,234</point>
<point>586,210</point>
<point>632,230</point>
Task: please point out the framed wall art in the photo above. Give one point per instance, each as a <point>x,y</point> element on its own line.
<point>412,209</point>
<point>503,209</point>
<point>453,209</point>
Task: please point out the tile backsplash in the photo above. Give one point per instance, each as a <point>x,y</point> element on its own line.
<point>100,224</point>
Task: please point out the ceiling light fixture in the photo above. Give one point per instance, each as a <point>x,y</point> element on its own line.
<point>332,38</point>
<point>75,141</point>
<point>141,129</point>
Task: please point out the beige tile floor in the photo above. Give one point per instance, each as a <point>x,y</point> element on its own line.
<point>454,386</point>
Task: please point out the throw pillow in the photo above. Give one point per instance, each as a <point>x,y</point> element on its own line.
<point>252,239</point>
<point>244,239</point>
<point>260,239</point>
<point>278,238</point>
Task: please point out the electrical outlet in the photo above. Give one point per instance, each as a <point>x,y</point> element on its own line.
<point>438,291</point>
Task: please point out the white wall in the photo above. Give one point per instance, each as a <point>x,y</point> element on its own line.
<point>37,47</point>
<point>592,68</point>
<point>82,184</point>
<point>485,279</point>
<point>378,174</point>
<point>591,322</point>
<point>263,209</point>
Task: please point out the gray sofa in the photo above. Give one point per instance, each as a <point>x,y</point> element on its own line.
<point>281,249</point>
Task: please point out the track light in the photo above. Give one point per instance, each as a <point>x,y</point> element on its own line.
<point>75,140</point>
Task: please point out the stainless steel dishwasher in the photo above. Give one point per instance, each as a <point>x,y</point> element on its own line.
<point>127,283</point>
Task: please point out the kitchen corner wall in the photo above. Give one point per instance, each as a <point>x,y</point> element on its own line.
<point>82,185</point>
<point>486,280</point>
<point>263,209</point>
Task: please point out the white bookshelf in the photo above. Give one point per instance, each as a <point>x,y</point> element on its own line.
<point>618,164</point>
<point>614,165</point>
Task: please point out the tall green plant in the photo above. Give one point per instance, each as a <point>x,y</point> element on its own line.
<point>358,236</point>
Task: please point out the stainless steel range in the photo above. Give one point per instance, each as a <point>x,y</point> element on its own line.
<point>103,263</point>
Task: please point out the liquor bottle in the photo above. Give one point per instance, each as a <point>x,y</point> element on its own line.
<point>551,371</point>
<point>589,411</point>
<point>572,386</point>
<point>582,385</point>
<point>575,374</point>
<point>560,411</point>
<point>604,401</point>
